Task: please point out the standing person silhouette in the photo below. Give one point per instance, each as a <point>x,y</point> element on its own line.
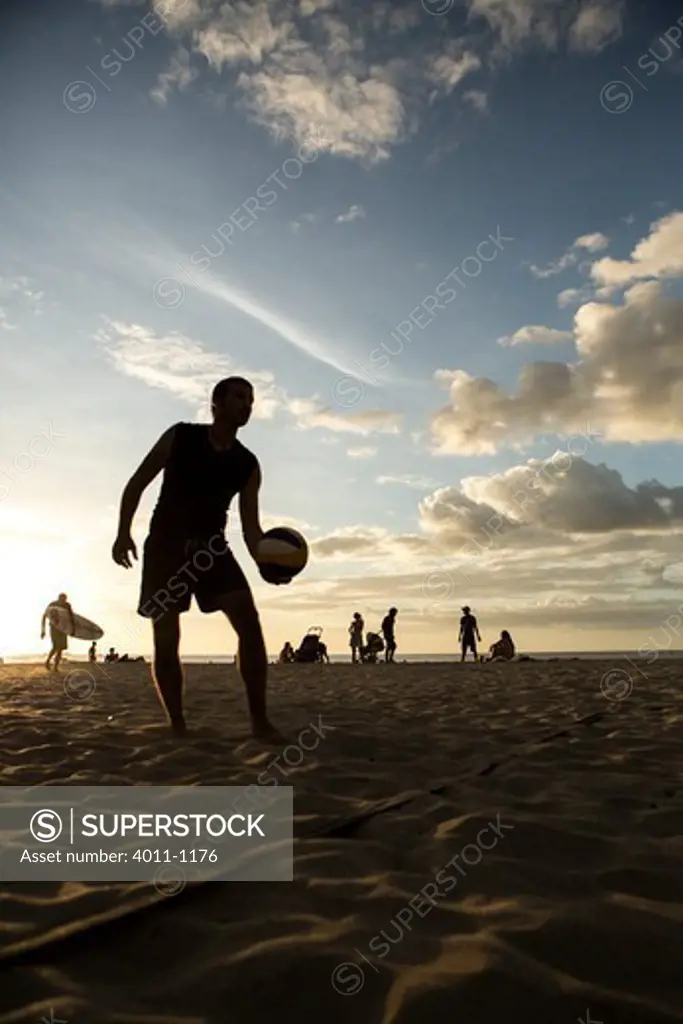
<point>58,637</point>
<point>468,630</point>
<point>356,637</point>
<point>204,467</point>
<point>388,631</point>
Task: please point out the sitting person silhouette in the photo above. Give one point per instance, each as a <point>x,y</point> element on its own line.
<point>286,654</point>
<point>503,649</point>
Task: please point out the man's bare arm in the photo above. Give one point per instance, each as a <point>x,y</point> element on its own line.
<point>149,468</point>
<point>249,512</point>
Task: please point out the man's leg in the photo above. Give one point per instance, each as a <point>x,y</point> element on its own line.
<point>252,659</point>
<point>167,671</point>
<point>53,651</point>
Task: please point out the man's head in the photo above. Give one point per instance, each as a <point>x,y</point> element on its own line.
<point>62,598</point>
<point>466,609</point>
<point>232,400</point>
<point>393,612</point>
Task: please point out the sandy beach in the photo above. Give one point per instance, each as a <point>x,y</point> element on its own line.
<point>575,907</point>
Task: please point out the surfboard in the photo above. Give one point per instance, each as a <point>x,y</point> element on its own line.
<point>85,629</point>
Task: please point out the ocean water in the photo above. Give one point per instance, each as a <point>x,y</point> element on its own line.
<point>345,658</point>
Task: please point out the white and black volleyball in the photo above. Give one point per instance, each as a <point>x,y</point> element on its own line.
<point>282,553</point>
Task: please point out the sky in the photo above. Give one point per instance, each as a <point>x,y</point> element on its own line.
<point>444,240</point>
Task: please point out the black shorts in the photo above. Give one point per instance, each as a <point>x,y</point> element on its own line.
<point>173,571</point>
<point>468,641</point>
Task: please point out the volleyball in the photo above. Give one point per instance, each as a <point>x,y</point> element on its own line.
<point>282,553</point>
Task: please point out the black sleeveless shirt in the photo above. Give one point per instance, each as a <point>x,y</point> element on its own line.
<point>198,485</point>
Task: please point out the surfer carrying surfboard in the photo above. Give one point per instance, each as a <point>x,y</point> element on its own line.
<point>58,637</point>
<point>186,553</point>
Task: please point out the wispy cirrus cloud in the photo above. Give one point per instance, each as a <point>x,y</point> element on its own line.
<point>418,483</point>
<point>536,334</point>
<point>185,368</point>
<point>295,334</point>
<point>590,243</point>
<point>362,452</point>
<point>311,414</point>
<point>175,363</point>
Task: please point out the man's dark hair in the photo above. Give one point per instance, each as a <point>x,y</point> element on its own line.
<point>221,389</point>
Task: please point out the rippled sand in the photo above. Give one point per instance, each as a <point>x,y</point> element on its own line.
<point>576,909</point>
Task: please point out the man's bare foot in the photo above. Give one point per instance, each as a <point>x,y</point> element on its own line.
<point>179,728</point>
<point>266,732</point>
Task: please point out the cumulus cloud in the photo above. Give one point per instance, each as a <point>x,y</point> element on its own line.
<point>570,495</point>
<point>536,334</point>
<point>243,33</point>
<point>587,25</point>
<point>598,23</point>
<point>574,296</point>
<point>547,508</point>
<point>317,61</point>
<point>593,242</point>
<point>627,381</point>
<point>354,212</point>
<point>178,75</point>
<point>477,98</point>
<point>658,255</point>
<point>450,68</point>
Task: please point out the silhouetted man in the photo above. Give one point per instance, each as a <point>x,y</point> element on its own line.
<point>389,633</point>
<point>58,637</point>
<point>468,630</point>
<point>186,552</point>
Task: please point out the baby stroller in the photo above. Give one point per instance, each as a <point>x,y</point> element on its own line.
<point>374,646</point>
<point>312,648</point>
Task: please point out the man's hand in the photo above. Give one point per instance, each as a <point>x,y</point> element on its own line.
<point>122,550</point>
<point>42,634</point>
<point>271,577</point>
